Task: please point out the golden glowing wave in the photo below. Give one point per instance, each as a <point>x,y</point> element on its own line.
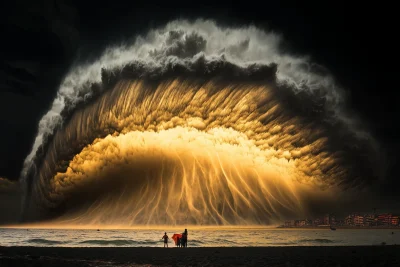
<point>185,152</point>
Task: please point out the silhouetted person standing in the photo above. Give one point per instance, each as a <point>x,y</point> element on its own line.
<point>165,237</point>
<point>184,238</point>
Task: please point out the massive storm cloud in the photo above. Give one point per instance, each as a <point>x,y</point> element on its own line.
<point>195,123</point>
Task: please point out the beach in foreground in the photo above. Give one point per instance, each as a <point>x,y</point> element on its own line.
<point>245,256</point>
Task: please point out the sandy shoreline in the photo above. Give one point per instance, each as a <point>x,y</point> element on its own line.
<point>245,256</point>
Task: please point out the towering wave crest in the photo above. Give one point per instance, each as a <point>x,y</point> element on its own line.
<point>194,123</point>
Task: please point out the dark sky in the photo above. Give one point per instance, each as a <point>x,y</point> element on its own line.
<point>41,38</point>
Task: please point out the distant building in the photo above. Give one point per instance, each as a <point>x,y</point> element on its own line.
<point>349,220</point>
<point>385,219</point>
<point>290,223</point>
<point>340,222</point>
<point>317,221</point>
<point>370,220</point>
<point>301,223</point>
<point>395,220</point>
<point>327,219</point>
<point>358,220</point>
<point>333,220</point>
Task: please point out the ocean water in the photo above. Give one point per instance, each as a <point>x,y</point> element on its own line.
<point>215,237</point>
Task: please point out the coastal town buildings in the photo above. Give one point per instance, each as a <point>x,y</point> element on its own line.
<point>351,220</point>
<point>370,220</point>
<point>395,220</point>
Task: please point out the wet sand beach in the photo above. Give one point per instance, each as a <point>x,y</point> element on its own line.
<point>237,256</point>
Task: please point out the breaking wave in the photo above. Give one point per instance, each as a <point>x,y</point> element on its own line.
<point>194,123</point>
<point>118,242</point>
<point>45,241</point>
